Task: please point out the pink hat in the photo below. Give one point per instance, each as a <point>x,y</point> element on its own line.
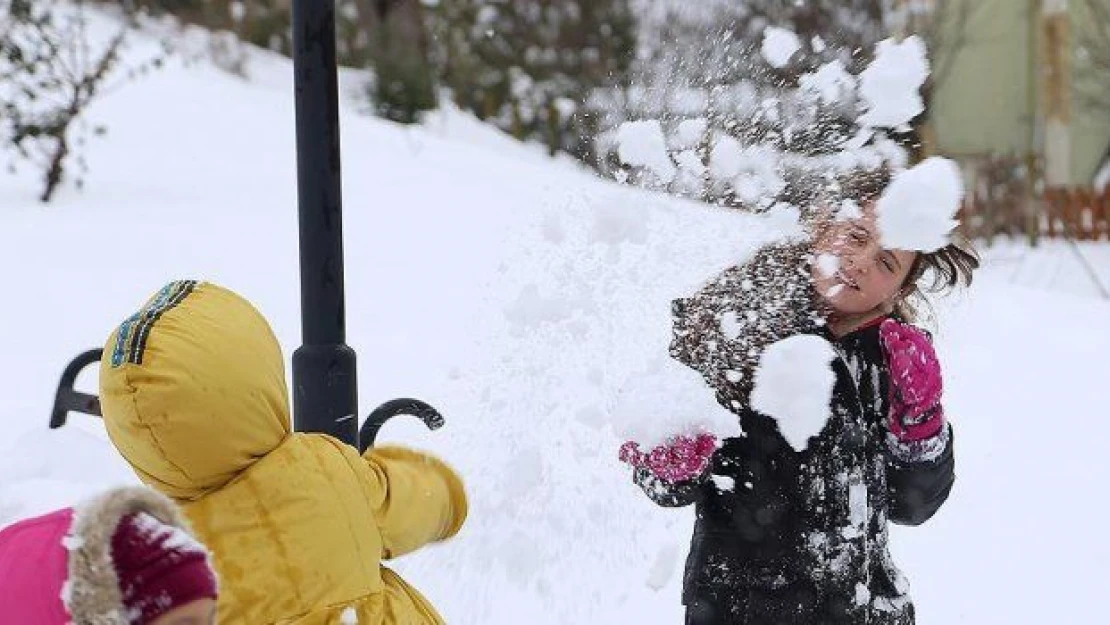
<point>160,567</point>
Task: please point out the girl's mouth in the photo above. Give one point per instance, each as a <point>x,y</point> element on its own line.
<point>843,278</point>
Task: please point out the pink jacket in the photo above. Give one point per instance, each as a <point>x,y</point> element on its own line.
<point>34,568</point>
<point>61,563</point>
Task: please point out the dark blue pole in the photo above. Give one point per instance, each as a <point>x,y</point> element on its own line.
<point>325,397</point>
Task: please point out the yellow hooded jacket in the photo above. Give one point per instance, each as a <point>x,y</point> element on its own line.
<point>194,396</point>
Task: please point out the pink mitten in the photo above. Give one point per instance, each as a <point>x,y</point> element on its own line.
<point>679,459</point>
<point>915,382</point>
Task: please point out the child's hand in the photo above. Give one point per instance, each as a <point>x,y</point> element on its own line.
<point>680,459</point>
<point>915,382</point>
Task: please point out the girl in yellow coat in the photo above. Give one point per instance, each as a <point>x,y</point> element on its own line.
<point>193,394</point>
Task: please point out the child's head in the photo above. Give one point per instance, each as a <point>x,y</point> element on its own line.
<point>130,558</point>
<point>857,277</point>
<point>164,575</point>
<point>192,388</point>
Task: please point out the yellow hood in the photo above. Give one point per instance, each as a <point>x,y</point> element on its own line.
<point>193,389</point>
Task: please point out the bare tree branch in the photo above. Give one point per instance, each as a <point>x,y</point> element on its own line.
<point>52,74</point>
<point>1093,71</point>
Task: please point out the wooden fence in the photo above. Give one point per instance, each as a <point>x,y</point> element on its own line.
<point>1061,212</point>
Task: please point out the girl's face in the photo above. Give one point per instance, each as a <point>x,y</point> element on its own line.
<point>199,612</point>
<point>854,274</point>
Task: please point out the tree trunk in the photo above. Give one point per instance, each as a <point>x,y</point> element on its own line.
<point>399,53</point>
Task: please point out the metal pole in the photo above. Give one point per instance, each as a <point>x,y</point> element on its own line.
<point>325,397</point>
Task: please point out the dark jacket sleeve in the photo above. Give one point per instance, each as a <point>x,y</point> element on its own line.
<point>919,480</point>
<point>667,494</point>
<point>724,328</point>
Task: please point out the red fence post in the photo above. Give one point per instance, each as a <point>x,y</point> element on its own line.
<point>1049,209</point>
<point>1105,201</point>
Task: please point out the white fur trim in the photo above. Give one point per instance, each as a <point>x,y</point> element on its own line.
<point>92,593</point>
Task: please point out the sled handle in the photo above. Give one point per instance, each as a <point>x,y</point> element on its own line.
<point>414,407</point>
<point>68,399</point>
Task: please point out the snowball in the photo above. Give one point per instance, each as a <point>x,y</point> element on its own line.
<point>690,163</point>
<point>827,264</point>
<point>890,85</point>
<point>731,325</point>
<point>863,594</point>
<point>779,45</point>
<point>891,152</point>
<point>726,159</point>
<point>690,133</point>
<point>917,210</point>
<point>752,171</point>
<point>749,188</point>
<point>690,180</point>
<point>642,145</point>
<point>723,483</point>
<point>830,83</point>
<point>794,384</point>
<point>664,399</point>
<point>849,209</point>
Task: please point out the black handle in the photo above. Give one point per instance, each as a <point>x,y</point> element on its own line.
<point>414,407</point>
<point>70,399</point>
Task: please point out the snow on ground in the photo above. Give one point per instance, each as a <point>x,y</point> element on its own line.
<point>520,295</point>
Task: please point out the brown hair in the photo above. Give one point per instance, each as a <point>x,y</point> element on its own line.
<point>940,271</point>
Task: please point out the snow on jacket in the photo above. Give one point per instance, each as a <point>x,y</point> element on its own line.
<point>194,397</point>
<point>57,569</point>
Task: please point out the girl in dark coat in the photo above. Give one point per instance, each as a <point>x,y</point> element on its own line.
<point>792,536</point>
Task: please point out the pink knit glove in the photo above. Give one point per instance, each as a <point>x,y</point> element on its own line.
<point>680,459</point>
<point>915,382</point>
